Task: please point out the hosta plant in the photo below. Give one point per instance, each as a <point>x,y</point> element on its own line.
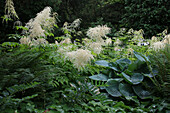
<point>128,78</point>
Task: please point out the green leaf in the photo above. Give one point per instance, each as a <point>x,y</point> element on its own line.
<point>126,90</point>
<point>143,94</point>
<point>124,60</point>
<point>5,93</point>
<point>136,78</point>
<point>113,66</point>
<point>102,63</point>
<point>101,77</point>
<point>112,88</point>
<point>139,57</point>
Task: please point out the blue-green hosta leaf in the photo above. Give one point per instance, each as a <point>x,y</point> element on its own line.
<point>143,94</point>
<point>148,75</point>
<point>102,63</point>
<point>141,57</point>
<point>138,56</point>
<point>126,90</point>
<point>112,88</point>
<point>114,66</point>
<point>125,60</point>
<point>136,78</point>
<point>135,65</point>
<point>100,77</point>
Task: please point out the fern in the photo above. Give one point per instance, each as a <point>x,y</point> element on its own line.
<point>8,96</point>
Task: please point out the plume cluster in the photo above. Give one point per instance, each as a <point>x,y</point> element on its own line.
<point>39,27</point>
<point>96,35</point>
<point>80,58</point>
<point>158,45</point>
<point>10,9</point>
<point>98,32</point>
<point>41,24</point>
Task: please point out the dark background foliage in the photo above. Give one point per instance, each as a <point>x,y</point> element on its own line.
<point>150,15</point>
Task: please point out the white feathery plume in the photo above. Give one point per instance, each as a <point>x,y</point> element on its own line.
<point>108,41</point>
<point>66,41</point>
<point>80,58</point>
<point>98,32</point>
<point>95,47</point>
<point>166,39</point>
<point>158,45</point>
<point>25,40</point>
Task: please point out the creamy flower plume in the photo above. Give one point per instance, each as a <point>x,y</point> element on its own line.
<point>166,39</point>
<point>71,26</point>
<point>10,10</point>
<point>158,45</point>
<point>41,24</point>
<point>25,40</point>
<point>154,39</point>
<point>66,41</point>
<point>80,58</point>
<point>108,41</point>
<point>118,42</point>
<point>98,32</point>
<point>64,49</point>
<point>95,47</point>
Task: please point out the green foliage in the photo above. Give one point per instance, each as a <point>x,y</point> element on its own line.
<point>161,60</point>
<point>126,78</point>
<point>150,15</point>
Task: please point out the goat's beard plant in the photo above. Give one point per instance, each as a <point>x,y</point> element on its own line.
<point>39,27</point>
<point>96,35</point>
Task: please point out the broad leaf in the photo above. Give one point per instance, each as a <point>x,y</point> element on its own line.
<point>141,57</point>
<point>143,94</point>
<point>102,63</point>
<point>123,63</point>
<point>100,77</point>
<point>126,90</point>
<point>114,66</point>
<point>112,88</point>
<point>136,78</point>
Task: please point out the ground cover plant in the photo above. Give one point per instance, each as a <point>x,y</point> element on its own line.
<point>93,70</point>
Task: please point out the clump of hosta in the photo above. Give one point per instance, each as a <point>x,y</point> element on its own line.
<point>98,32</point>
<point>80,58</point>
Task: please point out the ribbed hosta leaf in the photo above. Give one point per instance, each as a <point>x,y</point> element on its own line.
<point>136,78</point>
<point>112,88</point>
<point>126,90</point>
<point>143,94</point>
<point>100,77</point>
<point>102,63</point>
<point>141,57</point>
